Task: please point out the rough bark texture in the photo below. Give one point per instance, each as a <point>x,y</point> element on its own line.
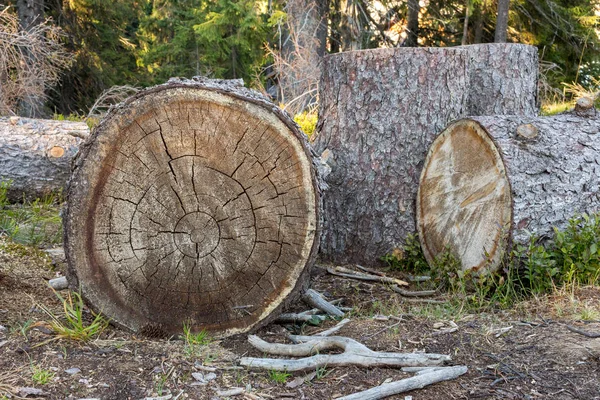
<point>380,110</point>
<point>31,14</point>
<point>489,181</point>
<point>501,21</point>
<point>36,154</point>
<point>194,201</point>
<point>503,79</point>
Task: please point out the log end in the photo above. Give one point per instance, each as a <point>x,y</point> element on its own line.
<point>464,204</point>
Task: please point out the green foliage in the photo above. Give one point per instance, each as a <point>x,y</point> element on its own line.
<point>194,342</point>
<point>72,324</point>
<point>307,122</point>
<point>278,377</point>
<point>410,258</point>
<point>41,376</point>
<point>31,223</point>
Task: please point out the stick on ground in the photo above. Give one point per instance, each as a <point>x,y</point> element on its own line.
<point>355,353</point>
<point>314,299</point>
<point>419,381</point>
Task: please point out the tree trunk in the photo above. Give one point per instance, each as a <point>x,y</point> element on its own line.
<point>379,111</point>
<point>502,21</point>
<point>36,155</point>
<point>31,14</point>
<point>412,26</point>
<point>488,179</point>
<point>465,36</point>
<point>503,79</point>
<point>193,202</point>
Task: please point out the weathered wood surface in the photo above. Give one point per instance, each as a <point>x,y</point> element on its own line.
<point>194,201</point>
<point>503,79</point>
<point>36,154</point>
<point>380,110</point>
<point>489,181</point>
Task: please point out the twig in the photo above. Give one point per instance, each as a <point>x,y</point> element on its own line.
<point>410,293</point>
<point>416,278</point>
<point>334,329</point>
<point>310,318</point>
<point>348,273</point>
<point>592,335</point>
<point>313,298</point>
<point>231,392</point>
<point>355,353</point>
<point>416,382</point>
<point>428,301</point>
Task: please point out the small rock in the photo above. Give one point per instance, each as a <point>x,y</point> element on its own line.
<point>210,376</point>
<point>29,391</point>
<point>72,371</point>
<point>438,325</point>
<point>199,376</point>
<point>3,328</point>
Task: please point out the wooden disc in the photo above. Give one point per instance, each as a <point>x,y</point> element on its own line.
<point>192,205</point>
<point>464,204</point>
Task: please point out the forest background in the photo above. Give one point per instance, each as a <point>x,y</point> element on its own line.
<point>59,56</point>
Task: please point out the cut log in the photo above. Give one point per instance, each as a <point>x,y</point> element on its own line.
<point>503,79</point>
<point>36,154</point>
<point>490,181</point>
<point>380,110</point>
<point>193,202</point>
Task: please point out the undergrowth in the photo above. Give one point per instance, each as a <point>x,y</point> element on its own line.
<point>35,223</point>
<point>570,259</point>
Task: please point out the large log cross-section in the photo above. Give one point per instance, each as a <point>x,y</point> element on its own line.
<point>192,203</point>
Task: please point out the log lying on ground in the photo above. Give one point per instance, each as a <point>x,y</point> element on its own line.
<point>36,154</point>
<point>193,202</point>
<point>355,353</point>
<point>379,112</point>
<point>488,181</point>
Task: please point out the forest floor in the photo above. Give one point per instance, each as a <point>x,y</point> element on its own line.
<point>524,353</point>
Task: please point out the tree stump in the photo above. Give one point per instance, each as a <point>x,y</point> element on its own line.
<point>490,181</point>
<point>503,79</point>
<point>36,154</point>
<point>380,110</point>
<point>193,202</point>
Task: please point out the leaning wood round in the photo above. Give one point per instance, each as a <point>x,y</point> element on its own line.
<point>492,181</point>
<point>193,203</point>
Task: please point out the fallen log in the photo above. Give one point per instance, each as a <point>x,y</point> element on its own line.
<point>380,110</point>
<point>491,181</point>
<point>36,154</point>
<point>355,353</point>
<point>196,202</point>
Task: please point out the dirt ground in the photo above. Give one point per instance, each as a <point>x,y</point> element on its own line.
<point>527,353</point>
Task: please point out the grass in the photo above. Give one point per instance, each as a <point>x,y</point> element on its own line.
<point>72,325</point>
<point>35,223</point>
<point>41,376</point>
<point>278,377</point>
<point>195,342</point>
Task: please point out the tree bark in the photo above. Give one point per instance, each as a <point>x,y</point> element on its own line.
<point>412,26</point>
<point>193,202</point>
<point>36,154</point>
<point>503,79</point>
<point>31,14</point>
<point>491,181</point>
<point>502,21</point>
<point>379,111</point>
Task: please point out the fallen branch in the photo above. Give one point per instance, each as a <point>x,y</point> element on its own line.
<point>424,378</point>
<point>348,273</point>
<point>294,318</point>
<point>314,299</point>
<point>592,335</point>
<point>355,353</point>
<point>334,329</point>
<point>409,293</point>
<point>231,392</point>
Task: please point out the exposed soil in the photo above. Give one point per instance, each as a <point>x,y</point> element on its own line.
<point>537,358</point>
